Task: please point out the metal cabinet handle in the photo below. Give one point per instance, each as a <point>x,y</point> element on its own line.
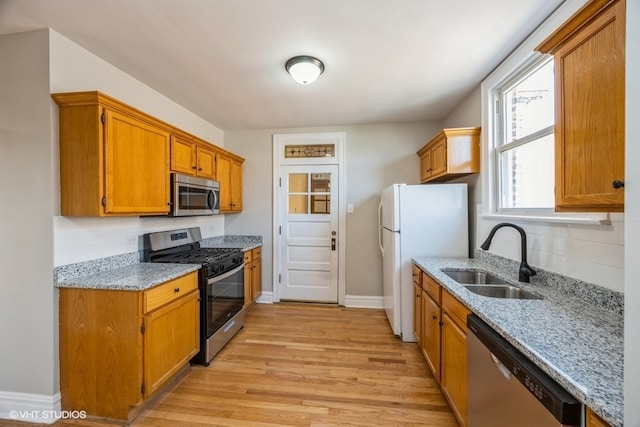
<point>617,184</point>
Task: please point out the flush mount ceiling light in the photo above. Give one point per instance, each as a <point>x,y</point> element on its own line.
<point>304,69</point>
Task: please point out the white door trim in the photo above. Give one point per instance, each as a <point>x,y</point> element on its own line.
<point>279,141</point>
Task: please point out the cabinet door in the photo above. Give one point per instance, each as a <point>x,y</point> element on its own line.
<point>170,339</point>
<point>183,156</point>
<point>223,175</point>
<point>206,160</point>
<point>417,312</point>
<point>256,278</point>
<point>247,284</point>
<point>425,166</point>
<point>439,158</point>
<point>454,367</point>
<point>595,421</point>
<point>136,166</point>
<point>236,186</point>
<point>590,115</point>
<point>431,334</point>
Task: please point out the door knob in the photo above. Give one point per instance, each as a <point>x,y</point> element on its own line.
<point>617,184</point>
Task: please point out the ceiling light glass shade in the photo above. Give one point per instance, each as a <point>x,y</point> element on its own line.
<point>304,69</point>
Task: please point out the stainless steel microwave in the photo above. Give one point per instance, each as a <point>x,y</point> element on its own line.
<point>192,196</point>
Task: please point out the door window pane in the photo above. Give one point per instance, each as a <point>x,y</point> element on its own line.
<point>298,182</point>
<point>311,150</point>
<point>309,193</point>
<point>298,204</point>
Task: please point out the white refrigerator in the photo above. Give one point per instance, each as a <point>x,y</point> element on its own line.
<point>429,220</point>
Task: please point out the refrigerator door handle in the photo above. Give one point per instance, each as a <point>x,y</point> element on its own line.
<point>380,227</point>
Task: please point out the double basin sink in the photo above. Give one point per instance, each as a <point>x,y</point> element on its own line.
<point>488,285</point>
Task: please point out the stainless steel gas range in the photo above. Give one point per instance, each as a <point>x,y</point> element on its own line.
<point>221,283</point>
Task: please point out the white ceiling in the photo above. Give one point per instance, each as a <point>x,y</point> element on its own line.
<point>386,60</point>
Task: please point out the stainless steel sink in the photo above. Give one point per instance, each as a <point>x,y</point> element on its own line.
<point>501,291</point>
<point>473,277</point>
<point>488,285</point>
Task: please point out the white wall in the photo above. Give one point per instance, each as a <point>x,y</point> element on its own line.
<point>28,306</point>
<point>468,114</point>
<point>75,69</point>
<point>376,156</point>
<point>632,213</point>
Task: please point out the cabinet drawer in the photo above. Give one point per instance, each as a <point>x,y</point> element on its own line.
<point>247,257</point>
<point>169,291</point>
<point>417,276</point>
<point>432,288</point>
<point>455,309</point>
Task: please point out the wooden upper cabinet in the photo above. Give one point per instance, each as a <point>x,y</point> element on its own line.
<point>183,156</point>
<point>192,159</point>
<point>205,162</point>
<point>589,55</point>
<point>229,174</point>
<point>451,154</point>
<point>112,160</point>
<point>136,155</point>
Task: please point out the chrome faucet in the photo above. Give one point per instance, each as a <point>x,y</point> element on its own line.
<point>525,271</point>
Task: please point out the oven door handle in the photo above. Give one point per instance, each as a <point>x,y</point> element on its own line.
<point>225,275</point>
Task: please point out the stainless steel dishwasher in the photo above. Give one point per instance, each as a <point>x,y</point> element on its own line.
<point>506,389</point>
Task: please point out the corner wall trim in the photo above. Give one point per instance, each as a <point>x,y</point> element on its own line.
<point>32,408</point>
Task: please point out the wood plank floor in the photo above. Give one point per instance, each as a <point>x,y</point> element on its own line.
<point>305,365</point>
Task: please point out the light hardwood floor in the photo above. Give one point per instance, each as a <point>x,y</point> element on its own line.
<point>305,365</point>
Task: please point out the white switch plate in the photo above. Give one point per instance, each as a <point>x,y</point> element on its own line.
<point>350,208</point>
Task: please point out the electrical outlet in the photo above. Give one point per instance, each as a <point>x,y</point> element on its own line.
<point>350,208</point>
<point>131,240</point>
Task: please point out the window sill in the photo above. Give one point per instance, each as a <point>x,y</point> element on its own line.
<point>591,218</point>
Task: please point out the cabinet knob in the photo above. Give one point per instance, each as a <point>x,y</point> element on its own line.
<point>193,167</point>
<point>176,290</point>
<point>435,316</point>
<point>617,184</point>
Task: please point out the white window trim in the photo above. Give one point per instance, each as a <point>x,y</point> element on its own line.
<point>522,57</point>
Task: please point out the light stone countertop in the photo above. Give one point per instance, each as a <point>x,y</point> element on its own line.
<point>574,334</point>
<point>133,277</point>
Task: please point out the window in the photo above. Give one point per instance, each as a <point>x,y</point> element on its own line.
<point>524,142</point>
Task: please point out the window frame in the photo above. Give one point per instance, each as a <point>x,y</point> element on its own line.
<point>524,55</point>
<point>535,62</point>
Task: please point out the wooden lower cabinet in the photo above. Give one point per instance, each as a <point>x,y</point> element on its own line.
<point>595,421</point>
<point>117,347</point>
<point>454,368</point>
<point>252,275</point>
<point>431,334</point>
<point>444,341</point>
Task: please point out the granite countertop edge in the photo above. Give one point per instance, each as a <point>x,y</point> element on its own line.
<point>133,277</point>
<point>128,272</point>
<point>579,344</point>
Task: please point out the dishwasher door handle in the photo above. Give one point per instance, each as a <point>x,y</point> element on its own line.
<point>501,368</point>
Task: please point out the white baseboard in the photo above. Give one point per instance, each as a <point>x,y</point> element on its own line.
<point>354,301</point>
<point>265,298</point>
<point>32,408</point>
<point>359,301</point>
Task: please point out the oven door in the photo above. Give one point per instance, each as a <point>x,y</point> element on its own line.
<point>224,296</point>
<point>194,196</point>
